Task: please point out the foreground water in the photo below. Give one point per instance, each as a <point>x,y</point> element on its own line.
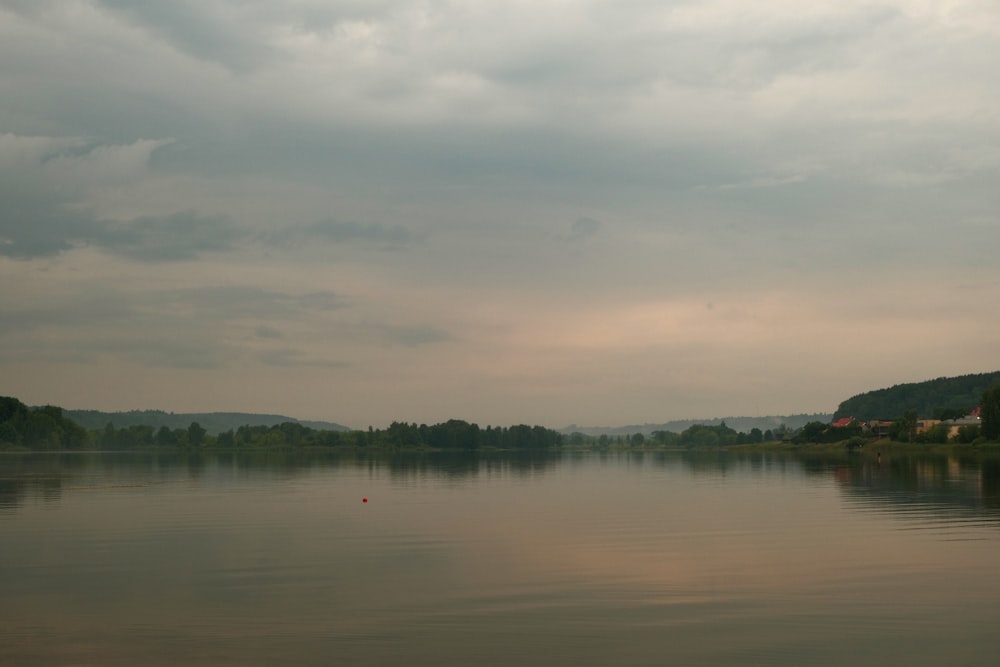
<point>621,559</point>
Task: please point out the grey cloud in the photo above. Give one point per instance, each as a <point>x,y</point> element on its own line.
<point>756,57</point>
<point>19,314</point>
<point>410,336</point>
<point>167,328</point>
<point>44,210</point>
<point>31,230</point>
<point>207,30</point>
<point>336,231</point>
<point>34,229</point>
<point>130,334</point>
<point>28,7</point>
<point>166,351</point>
<point>268,332</point>
<point>289,357</point>
<point>583,229</point>
<point>321,300</point>
<point>246,302</point>
<point>352,231</point>
<point>177,237</point>
<point>323,16</point>
<point>627,54</point>
<point>157,310</point>
<point>238,35</point>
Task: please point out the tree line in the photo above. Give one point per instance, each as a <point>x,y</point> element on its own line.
<point>46,428</point>
<point>454,434</point>
<point>696,435</point>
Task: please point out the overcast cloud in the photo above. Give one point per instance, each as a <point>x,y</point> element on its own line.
<point>547,212</point>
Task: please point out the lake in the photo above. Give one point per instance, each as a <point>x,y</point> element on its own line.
<point>665,558</point>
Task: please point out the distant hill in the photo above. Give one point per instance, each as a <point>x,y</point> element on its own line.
<point>213,422</point>
<point>958,394</point>
<point>740,424</point>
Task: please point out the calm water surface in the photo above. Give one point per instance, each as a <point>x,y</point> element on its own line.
<point>619,559</point>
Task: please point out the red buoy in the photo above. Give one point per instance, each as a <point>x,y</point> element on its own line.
<point>364,500</point>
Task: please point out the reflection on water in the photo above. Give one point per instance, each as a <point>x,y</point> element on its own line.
<point>45,475</point>
<point>700,558</point>
<point>934,482</point>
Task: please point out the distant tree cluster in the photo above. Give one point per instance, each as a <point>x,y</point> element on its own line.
<point>818,432</point>
<point>47,429</point>
<point>696,435</point>
<point>990,413</point>
<point>454,434</point>
<point>942,398</point>
<point>138,436</point>
<point>42,428</point>
<point>721,435</point>
<point>458,434</point>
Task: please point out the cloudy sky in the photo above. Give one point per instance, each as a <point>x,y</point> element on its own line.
<point>551,212</point>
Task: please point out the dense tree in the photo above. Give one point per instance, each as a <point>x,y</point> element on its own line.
<point>165,437</point>
<point>904,429</point>
<point>702,435</point>
<point>195,434</point>
<point>131,437</point>
<point>8,434</point>
<point>225,439</point>
<point>403,435</point>
<point>989,413</point>
<point>453,434</point>
<point>812,432</point>
<point>818,432</point>
<point>665,437</point>
<point>106,439</point>
<point>12,409</point>
<point>955,394</point>
<point>38,428</point>
<point>938,433</point>
<point>967,433</point>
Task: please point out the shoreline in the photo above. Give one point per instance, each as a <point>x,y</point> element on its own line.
<point>869,449</point>
<point>874,447</point>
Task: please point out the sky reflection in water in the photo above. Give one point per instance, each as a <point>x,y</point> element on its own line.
<point>574,559</point>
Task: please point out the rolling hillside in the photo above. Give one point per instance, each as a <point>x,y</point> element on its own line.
<point>958,394</point>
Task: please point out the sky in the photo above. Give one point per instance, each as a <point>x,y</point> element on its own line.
<point>551,212</point>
